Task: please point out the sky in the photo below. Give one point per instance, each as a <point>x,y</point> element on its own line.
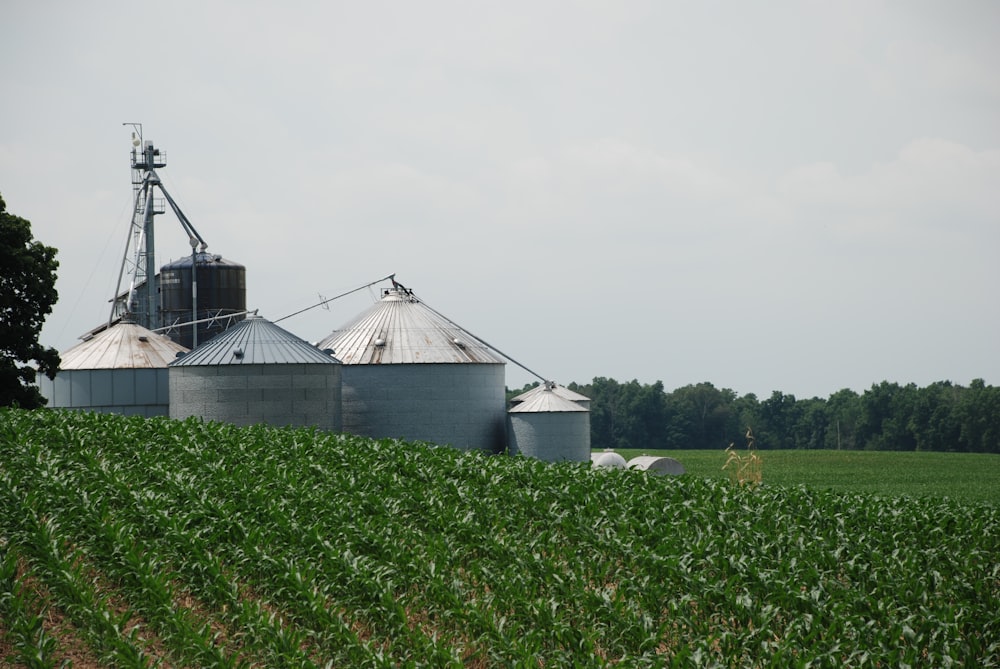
<point>785,196</point>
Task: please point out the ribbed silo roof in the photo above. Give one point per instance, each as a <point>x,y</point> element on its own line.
<point>549,387</point>
<point>255,341</point>
<point>124,345</point>
<point>546,401</point>
<point>399,329</point>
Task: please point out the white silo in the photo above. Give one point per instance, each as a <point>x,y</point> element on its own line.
<point>257,372</point>
<point>549,427</point>
<point>121,369</point>
<point>561,391</point>
<point>410,373</point>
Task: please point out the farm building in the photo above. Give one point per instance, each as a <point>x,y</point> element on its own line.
<point>257,372</point>
<point>410,373</point>
<point>402,370</point>
<point>120,369</point>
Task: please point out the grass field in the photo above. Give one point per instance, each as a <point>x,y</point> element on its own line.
<point>960,476</point>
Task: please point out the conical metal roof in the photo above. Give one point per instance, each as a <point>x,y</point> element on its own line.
<point>546,401</point>
<point>399,329</point>
<point>124,345</point>
<point>561,391</point>
<point>255,341</point>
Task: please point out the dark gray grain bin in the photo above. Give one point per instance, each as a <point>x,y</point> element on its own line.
<point>410,373</point>
<point>222,292</point>
<point>121,369</point>
<point>256,372</point>
<point>549,427</point>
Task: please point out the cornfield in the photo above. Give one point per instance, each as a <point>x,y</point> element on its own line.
<point>147,542</point>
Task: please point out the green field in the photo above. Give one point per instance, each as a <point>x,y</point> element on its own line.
<point>131,542</point>
<point>961,476</point>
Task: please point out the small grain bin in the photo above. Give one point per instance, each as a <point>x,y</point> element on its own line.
<point>410,373</point>
<point>655,464</point>
<point>256,372</point>
<point>549,427</point>
<point>561,391</point>
<point>120,369</point>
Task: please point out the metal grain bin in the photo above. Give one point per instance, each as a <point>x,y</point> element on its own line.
<point>410,373</point>
<point>256,372</point>
<point>222,291</point>
<point>549,427</point>
<point>561,391</point>
<point>121,369</point>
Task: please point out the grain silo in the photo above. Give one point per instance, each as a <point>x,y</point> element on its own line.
<point>410,373</point>
<point>256,372</point>
<point>218,285</point>
<point>121,369</point>
<point>549,427</point>
<point>554,388</point>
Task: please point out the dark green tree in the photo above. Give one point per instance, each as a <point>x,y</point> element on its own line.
<point>707,412</point>
<point>885,415</point>
<point>844,411</point>
<point>979,418</point>
<point>27,293</point>
<point>935,420</point>
<point>778,417</point>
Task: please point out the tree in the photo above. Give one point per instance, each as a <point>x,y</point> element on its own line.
<point>844,410</point>
<point>706,411</point>
<point>27,293</point>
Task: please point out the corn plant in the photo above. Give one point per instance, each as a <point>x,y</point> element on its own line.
<point>186,543</point>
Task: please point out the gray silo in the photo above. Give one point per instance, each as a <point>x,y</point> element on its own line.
<point>256,372</point>
<point>410,373</point>
<point>555,388</point>
<point>549,427</point>
<point>121,369</point>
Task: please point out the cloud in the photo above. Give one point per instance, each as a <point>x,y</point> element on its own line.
<point>927,174</point>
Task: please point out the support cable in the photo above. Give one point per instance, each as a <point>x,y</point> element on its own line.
<point>480,340</point>
<point>210,319</point>
<point>335,297</point>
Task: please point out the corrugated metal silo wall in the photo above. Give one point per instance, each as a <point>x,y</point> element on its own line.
<point>550,436</point>
<point>130,392</point>
<point>461,405</point>
<point>286,394</point>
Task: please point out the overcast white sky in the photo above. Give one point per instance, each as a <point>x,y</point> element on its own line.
<point>794,196</point>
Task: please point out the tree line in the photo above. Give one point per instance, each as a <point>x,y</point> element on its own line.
<point>888,416</point>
